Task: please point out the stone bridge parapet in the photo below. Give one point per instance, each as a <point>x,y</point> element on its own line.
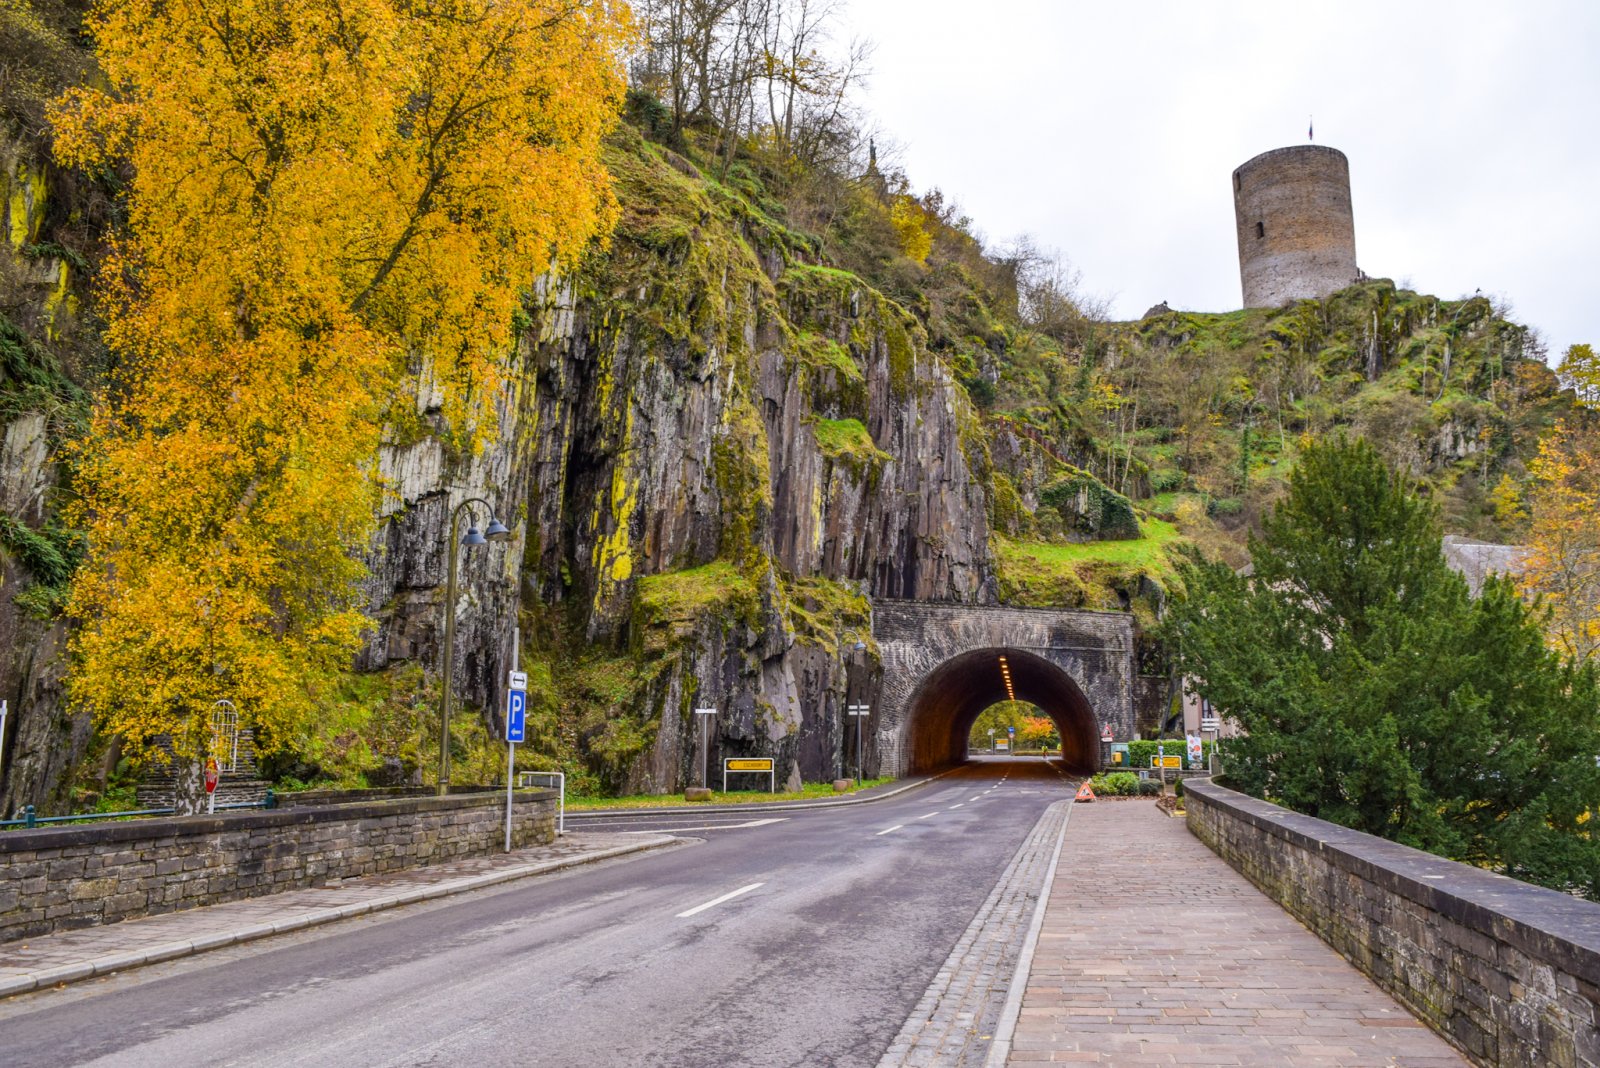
<point>1508,971</point>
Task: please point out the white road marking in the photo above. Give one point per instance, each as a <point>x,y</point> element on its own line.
<point>958,806</point>
<point>886,830</point>
<point>714,826</point>
<point>719,900</point>
<point>929,816</point>
<point>976,797</point>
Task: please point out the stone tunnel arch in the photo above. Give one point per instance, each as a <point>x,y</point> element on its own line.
<point>944,707</point>
<point>940,669</point>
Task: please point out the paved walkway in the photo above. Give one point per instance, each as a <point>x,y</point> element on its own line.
<point>67,957</point>
<point>1154,951</point>
<point>952,1025</point>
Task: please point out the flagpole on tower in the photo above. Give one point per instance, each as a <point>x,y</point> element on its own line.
<point>1310,129</point>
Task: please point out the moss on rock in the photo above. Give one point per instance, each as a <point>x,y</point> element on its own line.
<point>1090,509</point>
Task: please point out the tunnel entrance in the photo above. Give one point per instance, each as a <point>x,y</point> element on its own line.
<point>944,707</point>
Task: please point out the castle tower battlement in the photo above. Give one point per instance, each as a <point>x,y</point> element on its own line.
<point>1297,235</point>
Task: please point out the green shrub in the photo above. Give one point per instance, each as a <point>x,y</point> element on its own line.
<point>1141,750</point>
<point>1120,784</point>
<point>1166,480</point>
<point>1149,787</point>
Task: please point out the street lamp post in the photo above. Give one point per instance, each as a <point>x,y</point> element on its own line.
<point>855,711</point>
<point>705,715</point>
<point>495,531</point>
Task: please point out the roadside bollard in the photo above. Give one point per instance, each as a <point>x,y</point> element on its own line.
<point>28,816</point>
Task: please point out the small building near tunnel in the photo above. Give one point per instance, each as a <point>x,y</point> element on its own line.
<point>942,667</point>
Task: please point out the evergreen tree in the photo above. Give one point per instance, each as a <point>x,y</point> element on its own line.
<point>1377,693</point>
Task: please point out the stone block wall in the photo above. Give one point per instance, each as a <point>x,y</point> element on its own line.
<point>1507,971</point>
<point>59,879</point>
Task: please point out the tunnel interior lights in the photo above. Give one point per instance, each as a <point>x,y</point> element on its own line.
<point>1005,674</point>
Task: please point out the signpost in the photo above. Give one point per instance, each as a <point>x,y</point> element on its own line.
<point>705,743</point>
<point>1105,733</point>
<point>516,731</point>
<point>751,766</point>
<point>991,739</point>
<point>859,713</point>
<point>211,785</point>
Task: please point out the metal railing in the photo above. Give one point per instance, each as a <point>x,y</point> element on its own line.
<point>526,778</point>
<point>30,818</point>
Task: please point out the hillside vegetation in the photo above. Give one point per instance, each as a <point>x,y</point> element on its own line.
<point>787,381</point>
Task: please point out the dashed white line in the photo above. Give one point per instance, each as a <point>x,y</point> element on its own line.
<point>719,900</point>
<point>958,805</point>
<point>929,816</point>
<point>886,830</point>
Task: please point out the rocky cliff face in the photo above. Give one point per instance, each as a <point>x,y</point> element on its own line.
<point>713,451</point>
<point>42,741</point>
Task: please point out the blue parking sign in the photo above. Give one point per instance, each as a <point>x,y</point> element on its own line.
<point>516,715</point>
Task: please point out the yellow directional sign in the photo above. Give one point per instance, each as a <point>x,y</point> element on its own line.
<point>751,764</point>
<point>1166,762</point>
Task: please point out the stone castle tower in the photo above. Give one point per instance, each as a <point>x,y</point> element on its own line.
<point>1297,236</point>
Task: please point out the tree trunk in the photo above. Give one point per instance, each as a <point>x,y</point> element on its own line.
<point>188,786</point>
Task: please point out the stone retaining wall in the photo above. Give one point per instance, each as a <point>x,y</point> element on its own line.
<point>58,879</point>
<point>1507,971</point>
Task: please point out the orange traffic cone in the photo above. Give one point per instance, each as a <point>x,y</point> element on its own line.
<point>1084,793</point>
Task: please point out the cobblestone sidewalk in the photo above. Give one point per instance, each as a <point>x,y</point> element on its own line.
<point>1155,952</point>
<point>954,1023</point>
<point>67,957</point>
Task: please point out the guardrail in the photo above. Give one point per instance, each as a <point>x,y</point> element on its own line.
<point>30,818</point>
<point>525,778</point>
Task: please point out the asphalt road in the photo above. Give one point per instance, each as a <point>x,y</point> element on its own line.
<point>805,941</point>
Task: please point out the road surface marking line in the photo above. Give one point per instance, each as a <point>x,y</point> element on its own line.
<point>929,816</point>
<point>719,900</point>
<point>958,805</point>
<point>886,830</point>
<point>710,827</point>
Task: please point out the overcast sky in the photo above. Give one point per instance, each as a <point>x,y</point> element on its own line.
<point>1109,130</point>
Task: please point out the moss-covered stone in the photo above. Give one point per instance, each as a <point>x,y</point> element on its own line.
<point>670,606</point>
<point>829,614</point>
<point>1089,509</point>
<point>847,443</point>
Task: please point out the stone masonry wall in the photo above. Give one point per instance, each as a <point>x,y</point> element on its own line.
<point>52,880</point>
<point>1508,971</point>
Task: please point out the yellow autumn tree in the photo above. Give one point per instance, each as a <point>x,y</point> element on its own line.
<point>1563,564</point>
<point>330,206</point>
<point>910,225</point>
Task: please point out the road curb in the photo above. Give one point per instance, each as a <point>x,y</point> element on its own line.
<point>976,989</point>
<point>116,962</point>
<point>1006,1029</point>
